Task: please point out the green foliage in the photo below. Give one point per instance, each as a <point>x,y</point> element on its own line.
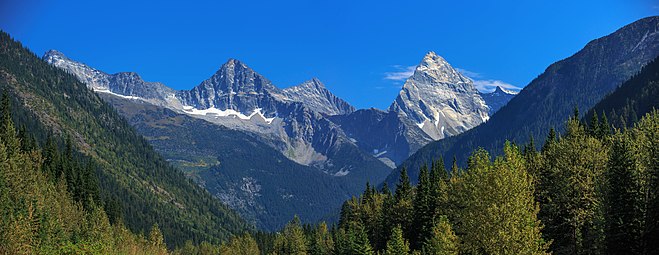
<point>397,245</point>
<point>443,240</point>
<point>400,213</point>
<point>570,190</point>
<point>291,240</point>
<point>240,245</point>
<point>322,242</point>
<point>40,213</point>
<point>499,213</point>
<point>423,209</point>
<point>353,240</point>
<point>625,207</point>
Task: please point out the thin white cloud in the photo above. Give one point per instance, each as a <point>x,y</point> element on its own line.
<point>468,73</point>
<point>485,85</point>
<point>401,74</point>
<point>490,85</point>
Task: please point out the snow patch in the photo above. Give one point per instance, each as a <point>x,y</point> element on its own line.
<point>227,113</point>
<point>115,94</point>
<point>342,172</point>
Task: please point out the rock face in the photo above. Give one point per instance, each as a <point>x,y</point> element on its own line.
<point>386,135</point>
<point>234,86</point>
<point>318,98</point>
<point>441,100</point>
<point>497,98</point>
<point>126,84</point>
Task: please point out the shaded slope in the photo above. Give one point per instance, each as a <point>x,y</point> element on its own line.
<point>632,100</point>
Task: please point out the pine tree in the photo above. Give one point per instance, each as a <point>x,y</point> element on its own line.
<point>443,241</point>
<point>403,187</point>
<point>156,240</point>
<point>401,212</point>
<point>625,205</point>
<point>397,245</point>
<point>423,211</point>
<point>604,128</point>
<point>352,239</point>
<point>594,125</point>
<point>455,170</point>
<point>322,242</point>
<point>439,179</point>
<point>551,139</point>
<point>8,132</point>
<point>292,239</point>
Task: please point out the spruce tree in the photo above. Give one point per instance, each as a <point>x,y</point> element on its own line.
<point>625,205</point>
<point>321,242</point>
<point>423,211</point>
<point>594,125</point>
<point>292,239</point>
<point>401,212</point>
<point>353,239</point>
<point>439,179</point>
<point>397,245</point>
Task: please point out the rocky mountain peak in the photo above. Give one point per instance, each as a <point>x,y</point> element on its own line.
<point>236,77</point>
<point>499,89</point>
<point>316,96</point>
<point>314,83</point>
<point>54,54</point>
<point>441,100</point>
<point>94,79</point>
<point>434,67</point>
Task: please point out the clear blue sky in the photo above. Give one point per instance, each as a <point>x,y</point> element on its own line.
<point>359,49</point>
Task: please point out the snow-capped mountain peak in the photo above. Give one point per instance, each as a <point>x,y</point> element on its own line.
<point>502,90</point>
<point>441,100</point>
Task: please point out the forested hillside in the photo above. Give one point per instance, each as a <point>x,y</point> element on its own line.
<point>50,204</point>
<point>591,190</point>
<point>633,99</point>
<point>136,184</point>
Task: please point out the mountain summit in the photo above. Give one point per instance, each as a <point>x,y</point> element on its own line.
<point>442,101</point>
<point>498,98</point>
<point>318,98</point>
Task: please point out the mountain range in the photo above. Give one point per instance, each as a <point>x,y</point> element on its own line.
<point>311,134</point>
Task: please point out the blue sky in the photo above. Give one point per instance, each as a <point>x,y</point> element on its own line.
<point>361,50</point>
